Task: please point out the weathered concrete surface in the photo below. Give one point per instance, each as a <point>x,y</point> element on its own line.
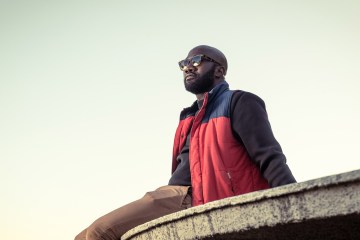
<point>325,208</point>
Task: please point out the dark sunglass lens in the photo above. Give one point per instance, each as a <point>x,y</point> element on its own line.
<point>196,60</point>
<point>182,64</point>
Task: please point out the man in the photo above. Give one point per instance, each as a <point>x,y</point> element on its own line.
<point>223,147</point>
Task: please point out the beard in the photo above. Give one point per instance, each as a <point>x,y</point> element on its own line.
<point>201,84</point>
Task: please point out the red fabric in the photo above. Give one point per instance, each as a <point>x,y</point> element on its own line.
<point>220,166</point>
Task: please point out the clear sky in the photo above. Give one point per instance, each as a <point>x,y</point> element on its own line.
<point>90,94</point>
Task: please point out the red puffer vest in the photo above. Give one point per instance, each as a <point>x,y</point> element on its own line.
<point>219,164</point>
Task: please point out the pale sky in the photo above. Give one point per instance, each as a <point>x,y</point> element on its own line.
<point>90,95</point>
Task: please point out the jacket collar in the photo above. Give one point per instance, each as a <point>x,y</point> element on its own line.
<point>217,91</point>
<point>208,98</point>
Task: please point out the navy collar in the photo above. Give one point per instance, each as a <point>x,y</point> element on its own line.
<point>210,96</point>
<point>217,90</point>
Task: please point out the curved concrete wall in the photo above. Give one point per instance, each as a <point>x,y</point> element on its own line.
<point>325,208</point>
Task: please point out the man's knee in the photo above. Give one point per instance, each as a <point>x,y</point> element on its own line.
<point>81,236</point>
<point>100,230</point>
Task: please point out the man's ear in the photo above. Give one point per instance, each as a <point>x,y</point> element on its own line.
<point>220,71</point>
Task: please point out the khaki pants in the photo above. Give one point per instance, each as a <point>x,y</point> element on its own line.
<point>162,201</point>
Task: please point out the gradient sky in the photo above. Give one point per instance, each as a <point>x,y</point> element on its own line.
<point>90,94</point>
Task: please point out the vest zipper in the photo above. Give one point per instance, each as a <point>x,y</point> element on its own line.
<point>231,183</point>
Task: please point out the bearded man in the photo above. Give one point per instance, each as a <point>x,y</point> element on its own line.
<point>223,147</point>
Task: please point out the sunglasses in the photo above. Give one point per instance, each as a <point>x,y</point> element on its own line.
<point>195,61</point>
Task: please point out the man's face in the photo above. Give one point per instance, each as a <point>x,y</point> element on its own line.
<point>199,79</point>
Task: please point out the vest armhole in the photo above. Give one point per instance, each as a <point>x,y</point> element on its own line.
<point>237,94</point>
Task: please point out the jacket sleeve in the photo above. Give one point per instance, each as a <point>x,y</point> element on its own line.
<point>251,126</point>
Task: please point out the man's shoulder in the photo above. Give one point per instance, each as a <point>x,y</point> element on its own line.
<point>244,96</point>
<point>246,102</point>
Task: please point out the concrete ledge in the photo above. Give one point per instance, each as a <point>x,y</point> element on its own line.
<point>325,208</point>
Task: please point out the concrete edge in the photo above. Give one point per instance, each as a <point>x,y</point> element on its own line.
<point>291,189</point>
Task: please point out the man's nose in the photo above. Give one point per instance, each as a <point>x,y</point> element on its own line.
<point>189,68</point>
